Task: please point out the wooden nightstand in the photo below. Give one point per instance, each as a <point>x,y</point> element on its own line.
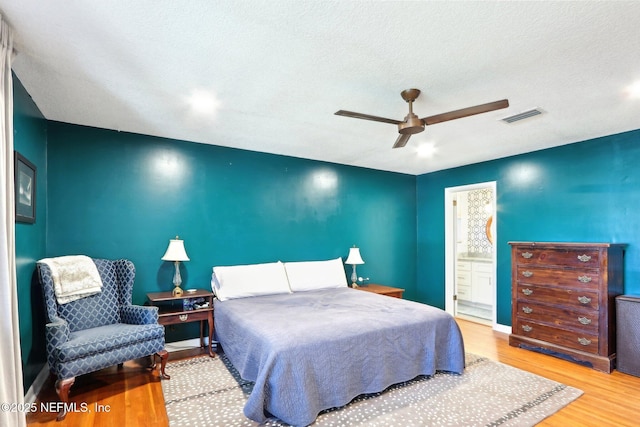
<point>382,290</point>
<point>172,310</point>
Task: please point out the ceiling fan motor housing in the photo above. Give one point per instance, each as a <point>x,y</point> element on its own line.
<point>412,124</point>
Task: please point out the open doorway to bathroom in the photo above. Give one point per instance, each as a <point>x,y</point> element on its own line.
<point>470,258</point>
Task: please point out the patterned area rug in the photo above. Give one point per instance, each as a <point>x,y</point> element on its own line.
<point>209,392</point>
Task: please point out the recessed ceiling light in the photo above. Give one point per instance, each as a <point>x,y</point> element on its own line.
<point>426,150</point>
<point>204,102</point>
<point>633,91</point>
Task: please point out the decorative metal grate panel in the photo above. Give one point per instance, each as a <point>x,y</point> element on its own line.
<point>479,203</point>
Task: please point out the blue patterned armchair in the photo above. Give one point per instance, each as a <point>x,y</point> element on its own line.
<point>101,330</point>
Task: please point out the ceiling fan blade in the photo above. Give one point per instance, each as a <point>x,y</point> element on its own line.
<point>466,112</point>
<point>366,117</point>
<point>402,140</point>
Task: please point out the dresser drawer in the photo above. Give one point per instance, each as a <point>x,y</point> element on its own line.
<point>579,278</point>
<point>588,258</point>
<point>586,320</point>
<point>583,341</point>
<point>566,297</point>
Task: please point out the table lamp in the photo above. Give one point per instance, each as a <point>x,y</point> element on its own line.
<point>176,253</point>
<point>354,259</point>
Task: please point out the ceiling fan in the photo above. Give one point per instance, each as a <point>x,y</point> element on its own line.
<point>413,124</point>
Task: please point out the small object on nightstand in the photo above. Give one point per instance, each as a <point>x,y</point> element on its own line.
<point>189,304</point>
<point>198,305</point>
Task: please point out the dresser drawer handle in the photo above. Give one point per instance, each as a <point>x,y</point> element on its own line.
<point>527,273</point>
<point>527,310</point>
<point>584,300</point>
<point>584,341</point>
<point>527,328</point>
<point>584,279</point>
<point>526,255</point>
<point>527,291</point>
<point>584,258</point>
<point>183,317</point>
<point>584,320</point>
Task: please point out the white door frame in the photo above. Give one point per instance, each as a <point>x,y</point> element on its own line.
<point>449,244</point>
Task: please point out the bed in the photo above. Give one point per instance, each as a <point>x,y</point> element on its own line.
<point>312,347</point>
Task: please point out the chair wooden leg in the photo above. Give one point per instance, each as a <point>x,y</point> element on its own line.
<point>62,388</point>
<point>164,356</point>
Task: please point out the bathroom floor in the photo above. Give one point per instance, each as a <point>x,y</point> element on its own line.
<point>474,311</point>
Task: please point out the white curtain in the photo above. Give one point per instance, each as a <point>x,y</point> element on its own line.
<point>11,387</point>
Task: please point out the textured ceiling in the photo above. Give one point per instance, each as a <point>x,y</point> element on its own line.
<point>278,70</point>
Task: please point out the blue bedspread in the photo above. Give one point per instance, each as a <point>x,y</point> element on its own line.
<point>315,350</point>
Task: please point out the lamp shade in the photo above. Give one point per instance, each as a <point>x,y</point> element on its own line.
<point>175,251</point>
<point>354,257</point>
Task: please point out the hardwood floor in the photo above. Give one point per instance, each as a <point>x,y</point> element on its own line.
<point>112,397</point>
<point>608,399</point>
<point>133,394</point>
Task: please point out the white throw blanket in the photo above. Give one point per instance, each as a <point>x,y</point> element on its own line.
<point>74,277</point>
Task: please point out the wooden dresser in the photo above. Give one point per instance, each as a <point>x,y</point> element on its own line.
<point>563,300</point>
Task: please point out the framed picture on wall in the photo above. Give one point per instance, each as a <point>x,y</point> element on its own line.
<point>25,189</point>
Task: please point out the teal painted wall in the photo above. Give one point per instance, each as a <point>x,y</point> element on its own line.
<point>30,140</point>
<point>111,194</point>
<point>585,192</point>
<point>115,194</point>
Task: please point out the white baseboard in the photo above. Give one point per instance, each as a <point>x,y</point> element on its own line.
<point>186,344</point>
<point>502,328</point>
<point>36,386</point>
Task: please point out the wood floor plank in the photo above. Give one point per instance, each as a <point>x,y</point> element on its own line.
<point>134,396</point>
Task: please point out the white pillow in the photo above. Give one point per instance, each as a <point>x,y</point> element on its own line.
<point>311,275</point>
<point>241,281</point>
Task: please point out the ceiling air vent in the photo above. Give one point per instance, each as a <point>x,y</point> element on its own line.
<point>522,116</point>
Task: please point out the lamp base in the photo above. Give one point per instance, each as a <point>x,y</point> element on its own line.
<point>177,280</point>
<point>354,277</point>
